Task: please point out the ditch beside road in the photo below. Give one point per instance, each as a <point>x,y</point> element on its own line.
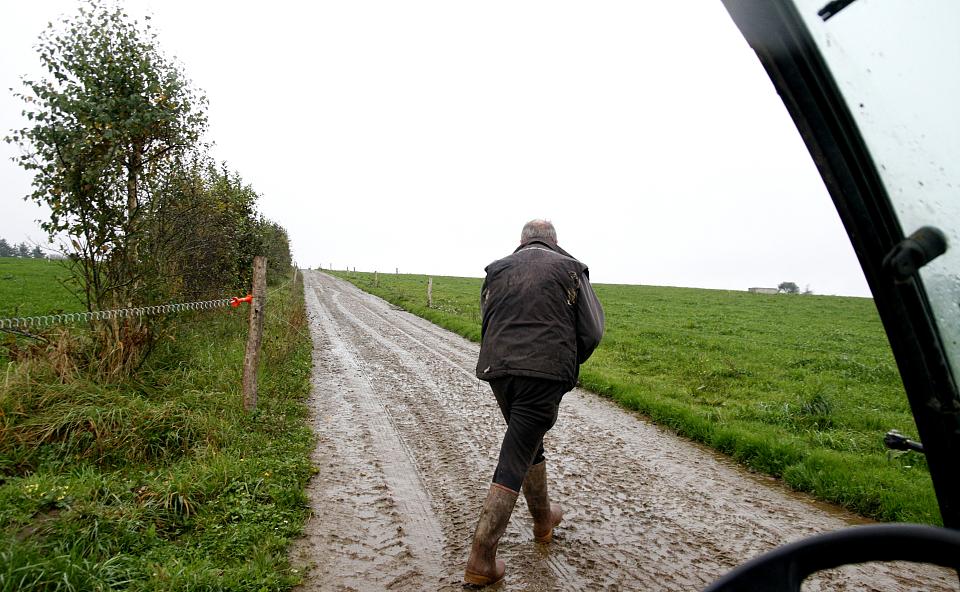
<point>408,439</point>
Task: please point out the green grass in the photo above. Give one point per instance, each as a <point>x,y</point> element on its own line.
<point>160,482</point>
<point>34,287</point>
<point>799,387</point>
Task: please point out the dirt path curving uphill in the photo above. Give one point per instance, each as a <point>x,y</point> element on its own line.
<point>408,440</point>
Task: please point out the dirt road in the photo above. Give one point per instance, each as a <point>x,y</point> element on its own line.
<point>408,440</point>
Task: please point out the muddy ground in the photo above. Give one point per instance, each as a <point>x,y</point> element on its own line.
<point>408,440</point>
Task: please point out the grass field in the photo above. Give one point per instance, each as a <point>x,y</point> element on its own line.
<point>33,287</point>
<point>799,387</point>
<point>160,482</point>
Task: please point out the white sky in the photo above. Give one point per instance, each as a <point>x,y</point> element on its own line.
<point>422,135</point>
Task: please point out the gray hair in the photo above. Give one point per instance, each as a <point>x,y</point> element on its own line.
<point>538,229</point>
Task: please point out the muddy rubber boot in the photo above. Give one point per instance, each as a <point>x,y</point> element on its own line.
<point>483,567</point>
<point>545,515</point>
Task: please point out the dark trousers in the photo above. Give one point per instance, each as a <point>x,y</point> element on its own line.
<point>530,406</point>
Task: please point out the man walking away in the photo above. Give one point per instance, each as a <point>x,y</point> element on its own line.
<point>541,320</point>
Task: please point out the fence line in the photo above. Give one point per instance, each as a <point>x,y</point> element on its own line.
<point>108,315</point>
<point>42,321</point>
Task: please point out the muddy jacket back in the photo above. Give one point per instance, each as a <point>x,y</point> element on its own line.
<point>541,317</point>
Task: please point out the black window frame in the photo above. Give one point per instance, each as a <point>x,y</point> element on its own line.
<point>787,51</point>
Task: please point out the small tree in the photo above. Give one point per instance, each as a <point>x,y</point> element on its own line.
<point>788,288</point>
<point>5,249</point>
<point>105,122</point>
<point>23,250</point>
<point>37,252</point>
<point>111,111</point>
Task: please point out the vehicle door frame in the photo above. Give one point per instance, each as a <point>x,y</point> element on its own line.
<point>787,51</point>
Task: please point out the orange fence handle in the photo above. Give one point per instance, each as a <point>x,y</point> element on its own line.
<point>235,302</point>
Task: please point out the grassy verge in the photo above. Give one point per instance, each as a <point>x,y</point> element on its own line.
<point>160,482</point>
<point>798,387</point>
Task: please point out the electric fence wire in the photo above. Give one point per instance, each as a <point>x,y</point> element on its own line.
<point>37,322</point>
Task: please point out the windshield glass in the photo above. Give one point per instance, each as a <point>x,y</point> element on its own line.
<point>897,63</point>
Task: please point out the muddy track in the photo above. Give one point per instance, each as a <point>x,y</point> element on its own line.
<point>407,443</point>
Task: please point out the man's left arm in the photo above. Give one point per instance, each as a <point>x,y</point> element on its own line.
<point>590,320</point>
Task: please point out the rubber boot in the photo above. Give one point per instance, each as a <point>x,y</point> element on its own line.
<point>483,567</point>
<point>545,514</point>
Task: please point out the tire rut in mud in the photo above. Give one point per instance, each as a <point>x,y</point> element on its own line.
<point>408,439</point>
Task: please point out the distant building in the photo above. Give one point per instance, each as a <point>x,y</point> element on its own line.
<point>763,290</point>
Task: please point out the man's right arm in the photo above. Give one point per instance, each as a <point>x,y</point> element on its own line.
<point>590,320</point>
<point>483,298</point>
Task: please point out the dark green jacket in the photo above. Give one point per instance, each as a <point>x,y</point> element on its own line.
<point>541,317</point>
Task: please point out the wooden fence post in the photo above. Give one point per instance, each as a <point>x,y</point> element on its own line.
<point>376,279</point>
<point>251,359</point>
<point>430,293</point>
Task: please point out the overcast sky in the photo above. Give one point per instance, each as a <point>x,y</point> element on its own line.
<point>422,135</point>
